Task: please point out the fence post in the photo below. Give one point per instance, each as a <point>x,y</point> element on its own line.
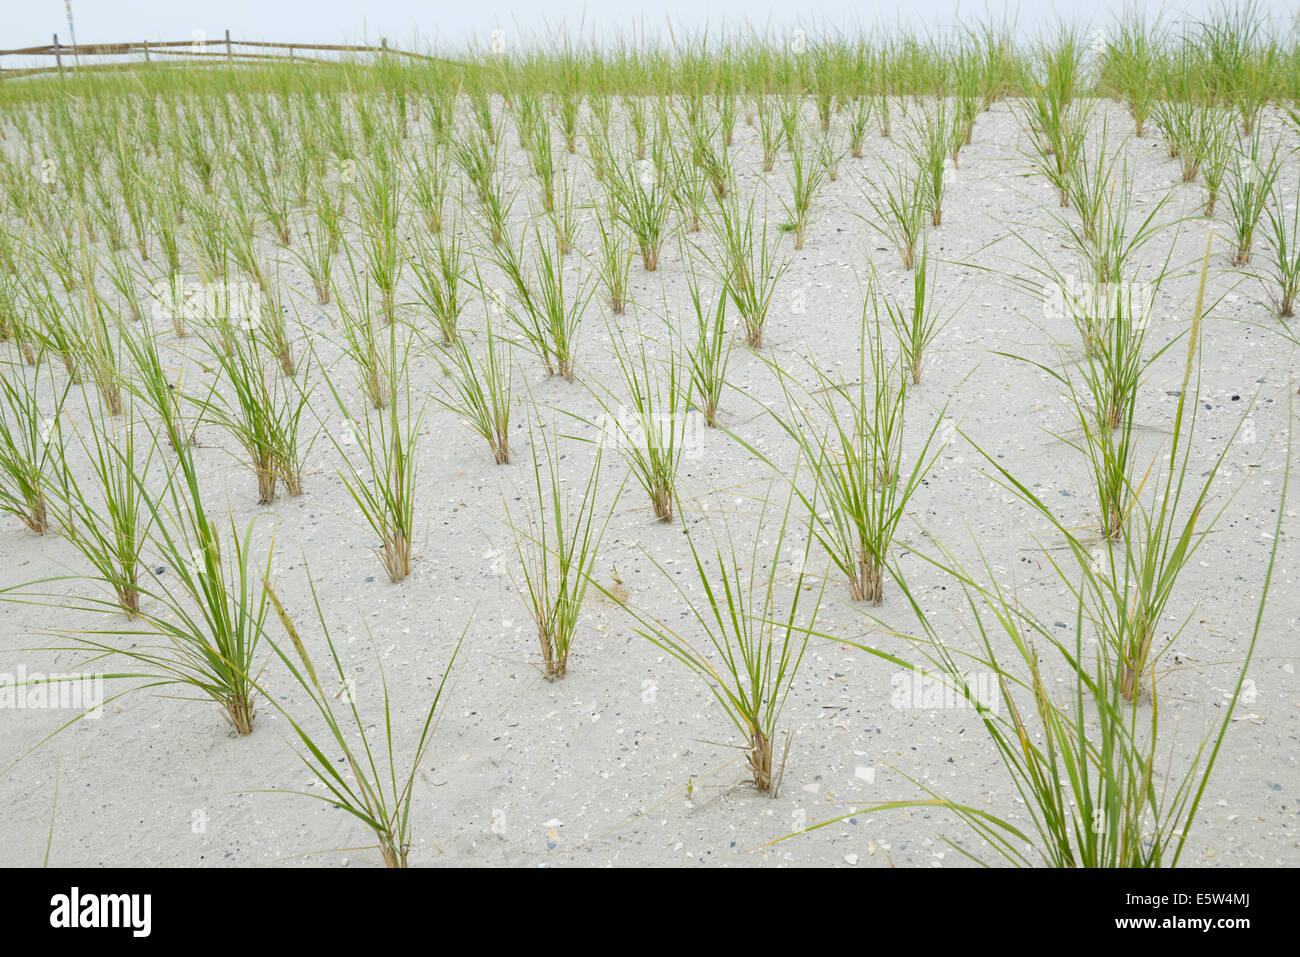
<point>58,56</point>
<point>146,50</point>
<point>228,55</point>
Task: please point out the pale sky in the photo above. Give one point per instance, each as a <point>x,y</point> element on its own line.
<point>451,25</point>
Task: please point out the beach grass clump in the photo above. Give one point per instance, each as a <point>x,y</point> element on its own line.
<point>614,260</point>
<point>747,264</point>
<point>261,412</point>
<point>808,173</point>
<point>199,616</point>
<point>651,427</point>
<point>1283,238</point>
<point>1129,65</point>
<point>932,142</point>
<point>440,277</point>
<point>32,452</point>
<point>850,436</point>
<point>557,540</point>
<point>711,348</point>
<point>107,519</point>
<point>918,325</point>
<point>378,192</point>
<point>380,461</point>
<point>365,781</point>
<point>753,638</point>
<point>546,314</point>
<point>1251,176</point>
<point>898,202</point>
<point>479,390</point>
<point>642,196</point>
<point>365,340</point>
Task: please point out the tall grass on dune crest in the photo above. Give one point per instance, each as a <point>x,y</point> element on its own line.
<point>1129,63</point>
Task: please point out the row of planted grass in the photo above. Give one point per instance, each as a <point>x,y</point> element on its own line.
<point>1238,55</point>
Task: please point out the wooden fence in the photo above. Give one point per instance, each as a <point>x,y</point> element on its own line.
<point>68,58</point>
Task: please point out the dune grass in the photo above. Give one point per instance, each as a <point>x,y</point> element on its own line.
<point>748,264</point>
<point>1251,176</point>
<point>711,348</point>
<point>108,520</point>
<point>850,435</point>
<point>651,427</point>
<point>754,638</point>
<point>31,448</point>
<point>557,537</point>
<point>378,189</point>
<point>381,474</point>
<point>479,391</point>
<point>373,794</point>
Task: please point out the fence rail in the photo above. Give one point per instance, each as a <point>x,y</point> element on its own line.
<point>67,57</point>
